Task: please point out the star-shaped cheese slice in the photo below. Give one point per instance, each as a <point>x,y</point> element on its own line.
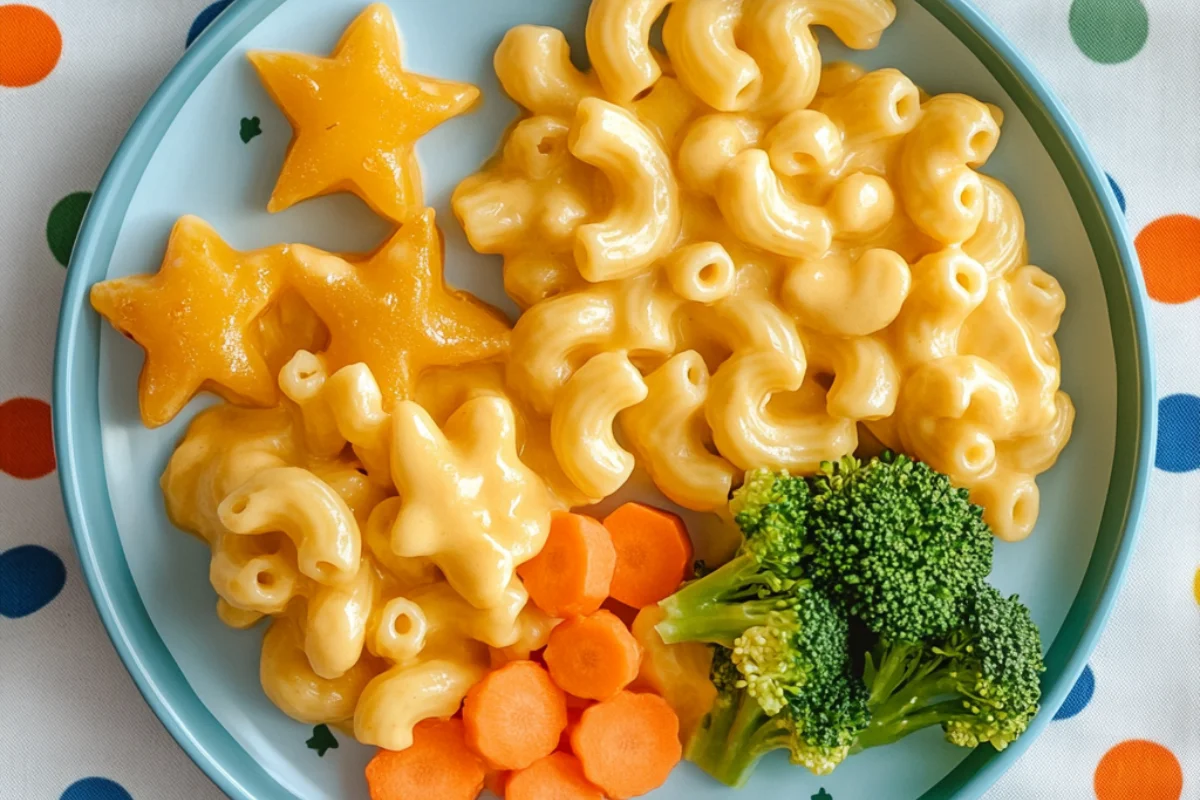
<point>195,320</point>
<point>394,311</point>
<point>468,503</point>
<point>355,117</point>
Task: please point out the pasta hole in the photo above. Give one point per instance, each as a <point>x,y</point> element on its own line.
<point>979,142</point>
<point>1024,510</point>
<point>709,274</point>
<point>805,163</point>
<point>906,106</point>
<point>966,281</point>
<point>968,196</point>
<point>265,579</point>
<point>546,146</point>
<point>402,625</point>
<point>306,374</point>
<point>240,505</point>
<point>325,570</point>
<point>977,456</point>
<point>824,380</point>
<point>694,375</point>
<point>643,94</point>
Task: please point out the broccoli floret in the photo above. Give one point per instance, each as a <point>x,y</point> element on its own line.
<point>761,581</point>
<point>981,682</point>
<point>737,732</point>
<point>895,542</point>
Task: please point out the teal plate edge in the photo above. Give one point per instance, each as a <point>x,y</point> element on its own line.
<point>81,463</point>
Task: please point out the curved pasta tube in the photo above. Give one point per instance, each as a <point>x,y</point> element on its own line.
<point>878,105</point>
<point>700,37</point>
<point>669,433</point>
<point>581,426</point>
<point>357,403</point>
<point>941,192</point>
<point>251,573</point>
<point>1038,300</point>
<point>710,144</point>
<point>768,359</point>
<point>762,56</point>
<point>702,272</point>
<point>548,336</point>
<point>644,220</point>
<point>302,380</point>
<point>447,613</point>
<point>534,67</point>
<point>866,381</point>
<point>224,447</point>
<point>953,411</point>
<point>841,298</point>
<point>400,631</point>
<point>761,212</point>
<point>946,287</point>
<point>394,702</point>
<point>999,241</point>
<point>1010,501</point>
<point>530,278</point>
<point>618,44</point>
<point>998,332</point>
<point>291,684</point>
<point>314,517</point>
<point>407,572</point>
<point>1037,452</point>
<point>805,142</point>
<point>335,627</point>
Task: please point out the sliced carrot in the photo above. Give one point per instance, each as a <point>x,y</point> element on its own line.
<point>594,656</point>
<point>558,776</point>
<point>438,764</point>
<point>570,576</point>
<point>654,553</point>
<point>496,781</point>
<point>515,715</point>
<point>628,745</point>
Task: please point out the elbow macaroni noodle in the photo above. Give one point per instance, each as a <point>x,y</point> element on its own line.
<point>727,257</point>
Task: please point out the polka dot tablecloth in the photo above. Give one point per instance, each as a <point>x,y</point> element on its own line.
<point>73,75</point>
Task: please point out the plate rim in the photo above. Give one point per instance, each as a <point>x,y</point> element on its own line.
<point>158,677</point>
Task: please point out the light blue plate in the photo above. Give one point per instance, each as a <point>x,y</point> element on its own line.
<point>183,155</point>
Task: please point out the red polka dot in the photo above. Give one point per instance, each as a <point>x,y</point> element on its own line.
<point>30,45</point>
<point>1138,770</point>
<point>1169,249</point>
<point>26,442</point>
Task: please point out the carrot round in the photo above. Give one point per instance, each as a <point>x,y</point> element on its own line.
<point>654,553</point>
<point>558,776</point>
<point>593,657</point>
<point>514,716</point>
<point>438,764</point>
<point>571,575</point>
<point>628,745</point>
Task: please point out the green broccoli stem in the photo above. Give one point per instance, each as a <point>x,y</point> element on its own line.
<point>737,734</point>
<point>928,700</point>
<point>719,607</point>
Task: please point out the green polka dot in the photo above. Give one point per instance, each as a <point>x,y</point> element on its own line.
<point>63,225</point>
<point>1109,31</point>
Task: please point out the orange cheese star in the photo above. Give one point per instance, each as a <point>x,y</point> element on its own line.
<point>394,311</point>
<point>195,320</point>
<point>355,117</point>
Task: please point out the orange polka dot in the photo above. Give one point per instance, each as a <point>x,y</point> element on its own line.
<point>26,443</point>
<point>30,45</point>
<point>1196,585</point>
<point>1169,249</point>
<point>1138,770</point>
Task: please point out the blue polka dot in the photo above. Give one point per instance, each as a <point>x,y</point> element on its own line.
<point>1116,189</point>
<point>1080,696</point>
<point>30,577</point>
<point>204,19</point>
<point>95,789</point>
<point>1178,433</point>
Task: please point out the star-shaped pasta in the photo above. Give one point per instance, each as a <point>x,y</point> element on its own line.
<point>195,320</point>
<point>355,117</point>
<point>394,311</point>
<point>469,504</point>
